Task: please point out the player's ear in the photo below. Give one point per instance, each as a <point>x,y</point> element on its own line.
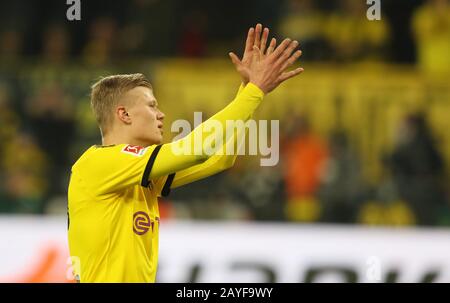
<point>123,115</point>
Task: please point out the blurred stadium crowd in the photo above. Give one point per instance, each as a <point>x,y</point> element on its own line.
<point>47,65</point>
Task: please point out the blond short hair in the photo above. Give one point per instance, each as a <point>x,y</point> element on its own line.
<point>106,93</point>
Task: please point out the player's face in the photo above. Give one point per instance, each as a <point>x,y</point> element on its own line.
<point>146,119</point>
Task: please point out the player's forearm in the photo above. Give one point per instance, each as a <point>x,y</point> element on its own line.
<point>198,172</point>
<point>242,107</point>
<point>248,99</point>
<point>224,158</point>
<point>220,161</point>
<point>196,148</point>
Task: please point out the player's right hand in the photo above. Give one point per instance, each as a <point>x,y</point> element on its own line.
<point>267,70</point>
<point>255,37</point>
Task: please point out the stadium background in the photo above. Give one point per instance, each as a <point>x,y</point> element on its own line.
<point>364,142</point>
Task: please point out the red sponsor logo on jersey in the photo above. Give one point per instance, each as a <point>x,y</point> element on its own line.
<point>134,150</point>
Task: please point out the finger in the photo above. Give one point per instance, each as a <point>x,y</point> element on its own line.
<point>291,60</point>
<point>264,38</point>
<point>235,59</point>
<point>280,49</point>
<point>250,39</point>
<point>258,34</point>
<point>287,53</point>
<point>271,47</point>
<point>256,53</point>
<point>288,75</point>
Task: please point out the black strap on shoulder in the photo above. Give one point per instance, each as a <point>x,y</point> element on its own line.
<point>148,168</point>
<point>166,189</point>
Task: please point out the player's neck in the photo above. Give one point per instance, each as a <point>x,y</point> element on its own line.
<point>115,139</point>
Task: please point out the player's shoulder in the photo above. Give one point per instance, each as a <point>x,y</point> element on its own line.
<point>97,154</point>
<point>110,154</point>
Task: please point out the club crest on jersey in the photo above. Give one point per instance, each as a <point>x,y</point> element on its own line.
<point>134,150</point>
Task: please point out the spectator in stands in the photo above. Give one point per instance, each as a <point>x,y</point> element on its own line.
<point>101,45</point>
<point>353,37</point>
<point>51,118</point>
<point>9,127</point>
<point>9,119</point>
<point>56,45</point>
<point>193,34</point>
<point>417,168</point>
<point>147,21</point>
<point>11,46</point>
<point>304,22</point>
<point>24,168</point>
<point>342,189</point>
<point>304,156</point>
<point>431,27</point>
<point>261,190</point>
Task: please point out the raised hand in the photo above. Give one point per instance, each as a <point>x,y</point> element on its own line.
<point>254,38</point>
<point>266,67</point>
<point>268,72</point>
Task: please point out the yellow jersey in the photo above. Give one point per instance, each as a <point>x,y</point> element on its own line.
<point>113,214</point>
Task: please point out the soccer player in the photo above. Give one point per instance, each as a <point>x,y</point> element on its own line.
<point>112,197</point>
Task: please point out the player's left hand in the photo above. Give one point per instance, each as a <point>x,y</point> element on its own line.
<point>254,38</point>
